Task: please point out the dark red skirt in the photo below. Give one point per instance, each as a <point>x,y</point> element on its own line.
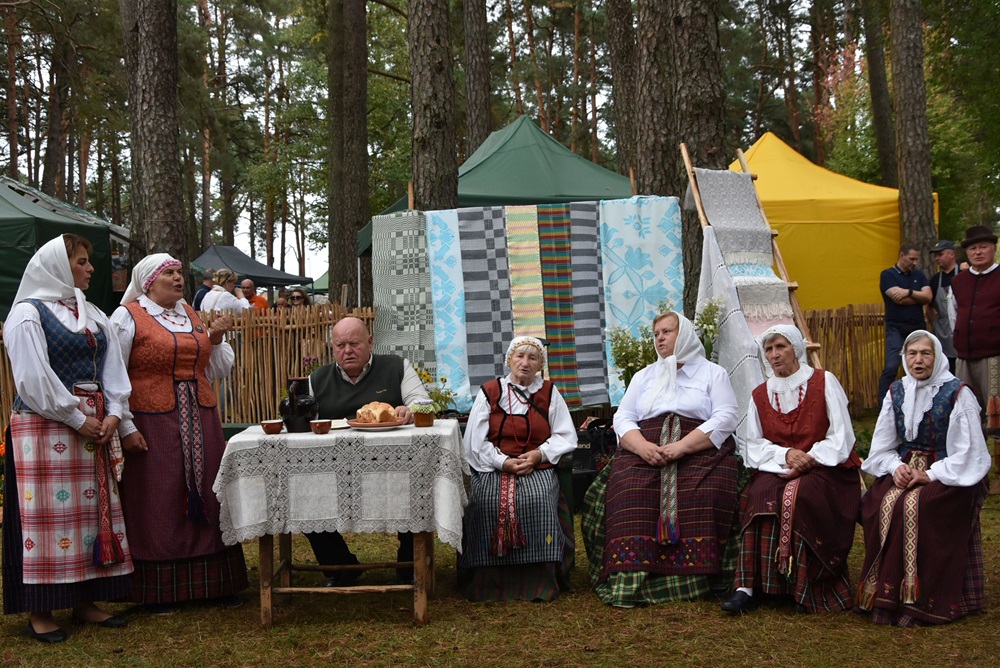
<point>706,507</point>
<point>949,553</point>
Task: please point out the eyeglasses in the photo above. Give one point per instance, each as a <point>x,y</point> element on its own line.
<point>297,298</point>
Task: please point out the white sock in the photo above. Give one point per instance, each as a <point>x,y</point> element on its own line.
<point>746,590</point>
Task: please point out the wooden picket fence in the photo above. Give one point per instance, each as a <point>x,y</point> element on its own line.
<point>272,347</point>
<point>853,340</point>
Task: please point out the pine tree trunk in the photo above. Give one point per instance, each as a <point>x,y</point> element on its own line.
<point>55,153</point>
<point>336,218</point>
<point>698,116</point>
<point>150,28</point>
<point>529,32</point>
<point>653,160</point>
<point>878,85</point>
<point>624,65</point>
<point>13,47</point>
<point>514,79</point>
<point>435,163</point>
<point>357,211</point>
<point>913,149</point>
<point>477,74</point>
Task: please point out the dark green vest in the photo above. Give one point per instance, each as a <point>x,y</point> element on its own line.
<point>338,398</point>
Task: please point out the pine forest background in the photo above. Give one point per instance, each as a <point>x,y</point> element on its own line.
<point>263,146</point>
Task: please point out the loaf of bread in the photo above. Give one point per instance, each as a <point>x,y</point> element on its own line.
<point>376,411</point>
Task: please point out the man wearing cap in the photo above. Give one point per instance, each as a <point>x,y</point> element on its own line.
<point>937,311</point>
<point>905,292</point>
<point>976,312</point>
<point>206,284</point>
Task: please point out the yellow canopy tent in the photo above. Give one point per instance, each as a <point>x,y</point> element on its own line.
<point>836,234</point>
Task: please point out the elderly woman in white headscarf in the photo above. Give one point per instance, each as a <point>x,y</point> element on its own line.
<point>64,543</point>
<point>658,519</point>
<point>518,540</point>
<point>923,547</point>
<point>174,442</point>
<point>798,513</point>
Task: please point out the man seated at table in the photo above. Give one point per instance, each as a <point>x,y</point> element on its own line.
<point>356,378</point>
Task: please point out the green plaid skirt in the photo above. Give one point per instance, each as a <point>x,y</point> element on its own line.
<point>641,588</point>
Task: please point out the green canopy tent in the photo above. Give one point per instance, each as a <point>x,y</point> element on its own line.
<point>520,164</point>
<point>26,225</point>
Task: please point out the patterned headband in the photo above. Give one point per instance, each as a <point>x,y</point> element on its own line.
<point>152,277</point>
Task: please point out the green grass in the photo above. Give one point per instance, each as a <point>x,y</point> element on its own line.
<point>575,630</point>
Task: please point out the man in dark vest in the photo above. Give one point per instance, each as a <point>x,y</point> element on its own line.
<point>356,378</point>
<point>976,313</point>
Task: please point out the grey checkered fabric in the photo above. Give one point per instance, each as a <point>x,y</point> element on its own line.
<point>401,285</point>
<point>588,303</point>
<point>489,316</point>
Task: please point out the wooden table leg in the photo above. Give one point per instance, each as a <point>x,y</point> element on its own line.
<point>285,559</point>
<point>266,568</point>
<point>420,577</point>
<point>432,570</point>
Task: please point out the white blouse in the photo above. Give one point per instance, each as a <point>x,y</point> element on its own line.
<point>703,393</point>
<point>219,299</point>
<point>968,458</point>
<point>833,449</point>
<point>220,362</point>
<point>38,384</point>
<point>485,457</point>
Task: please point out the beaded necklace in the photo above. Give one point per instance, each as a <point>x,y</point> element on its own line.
<point>524,402</point>
<point>169,317</point>
<point>91,340</point>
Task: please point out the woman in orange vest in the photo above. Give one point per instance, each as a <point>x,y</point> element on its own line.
<point>174,443</point>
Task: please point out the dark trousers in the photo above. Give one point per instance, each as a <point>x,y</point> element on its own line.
<point>331,549</point>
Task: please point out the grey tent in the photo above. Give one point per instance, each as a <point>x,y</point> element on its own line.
<point>230,257</point>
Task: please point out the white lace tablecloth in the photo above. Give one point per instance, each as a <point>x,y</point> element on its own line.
<point>406,479</point>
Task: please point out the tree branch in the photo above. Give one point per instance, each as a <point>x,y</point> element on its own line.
<point>389,75</point>
<point>391,7</point>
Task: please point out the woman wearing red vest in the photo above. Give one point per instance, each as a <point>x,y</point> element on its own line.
<point>518,538</point>
<point>173,443</point>
<point>797,514</point>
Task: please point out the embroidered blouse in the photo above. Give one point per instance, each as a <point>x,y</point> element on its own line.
<point>484,456</point>
<point>784,394</point>
<point>34,379</point>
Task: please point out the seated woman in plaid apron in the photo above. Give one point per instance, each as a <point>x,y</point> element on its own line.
<point>518,534</point>
<point>64,543</point>
<point>173,443</point>
<point>923,547</point>
<point>658,519</point>
<point>797,515</point>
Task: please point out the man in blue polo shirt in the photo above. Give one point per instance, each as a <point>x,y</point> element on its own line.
<point>905,290</point>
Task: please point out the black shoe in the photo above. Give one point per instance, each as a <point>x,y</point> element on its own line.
<point>342,579</point>
<point>740,602</point>
<point>49,636</point>
<point>800,609</point>
<point>232,601</point>
<point>112,622</point>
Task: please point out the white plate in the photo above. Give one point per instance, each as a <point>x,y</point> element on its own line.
<point>375,426</point>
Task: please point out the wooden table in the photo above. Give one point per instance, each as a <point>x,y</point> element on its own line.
<point>402,480</point>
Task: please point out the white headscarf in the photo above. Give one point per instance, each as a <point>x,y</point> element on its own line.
<point>687,349</point>
<point>49,277</point>
<point>787,388</point>
<point>144,273</point>
<point>918,395</point>
<point>520,341</point>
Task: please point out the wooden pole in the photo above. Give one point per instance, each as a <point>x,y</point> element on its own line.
<point>798,315</point>
<point>693,181</point>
